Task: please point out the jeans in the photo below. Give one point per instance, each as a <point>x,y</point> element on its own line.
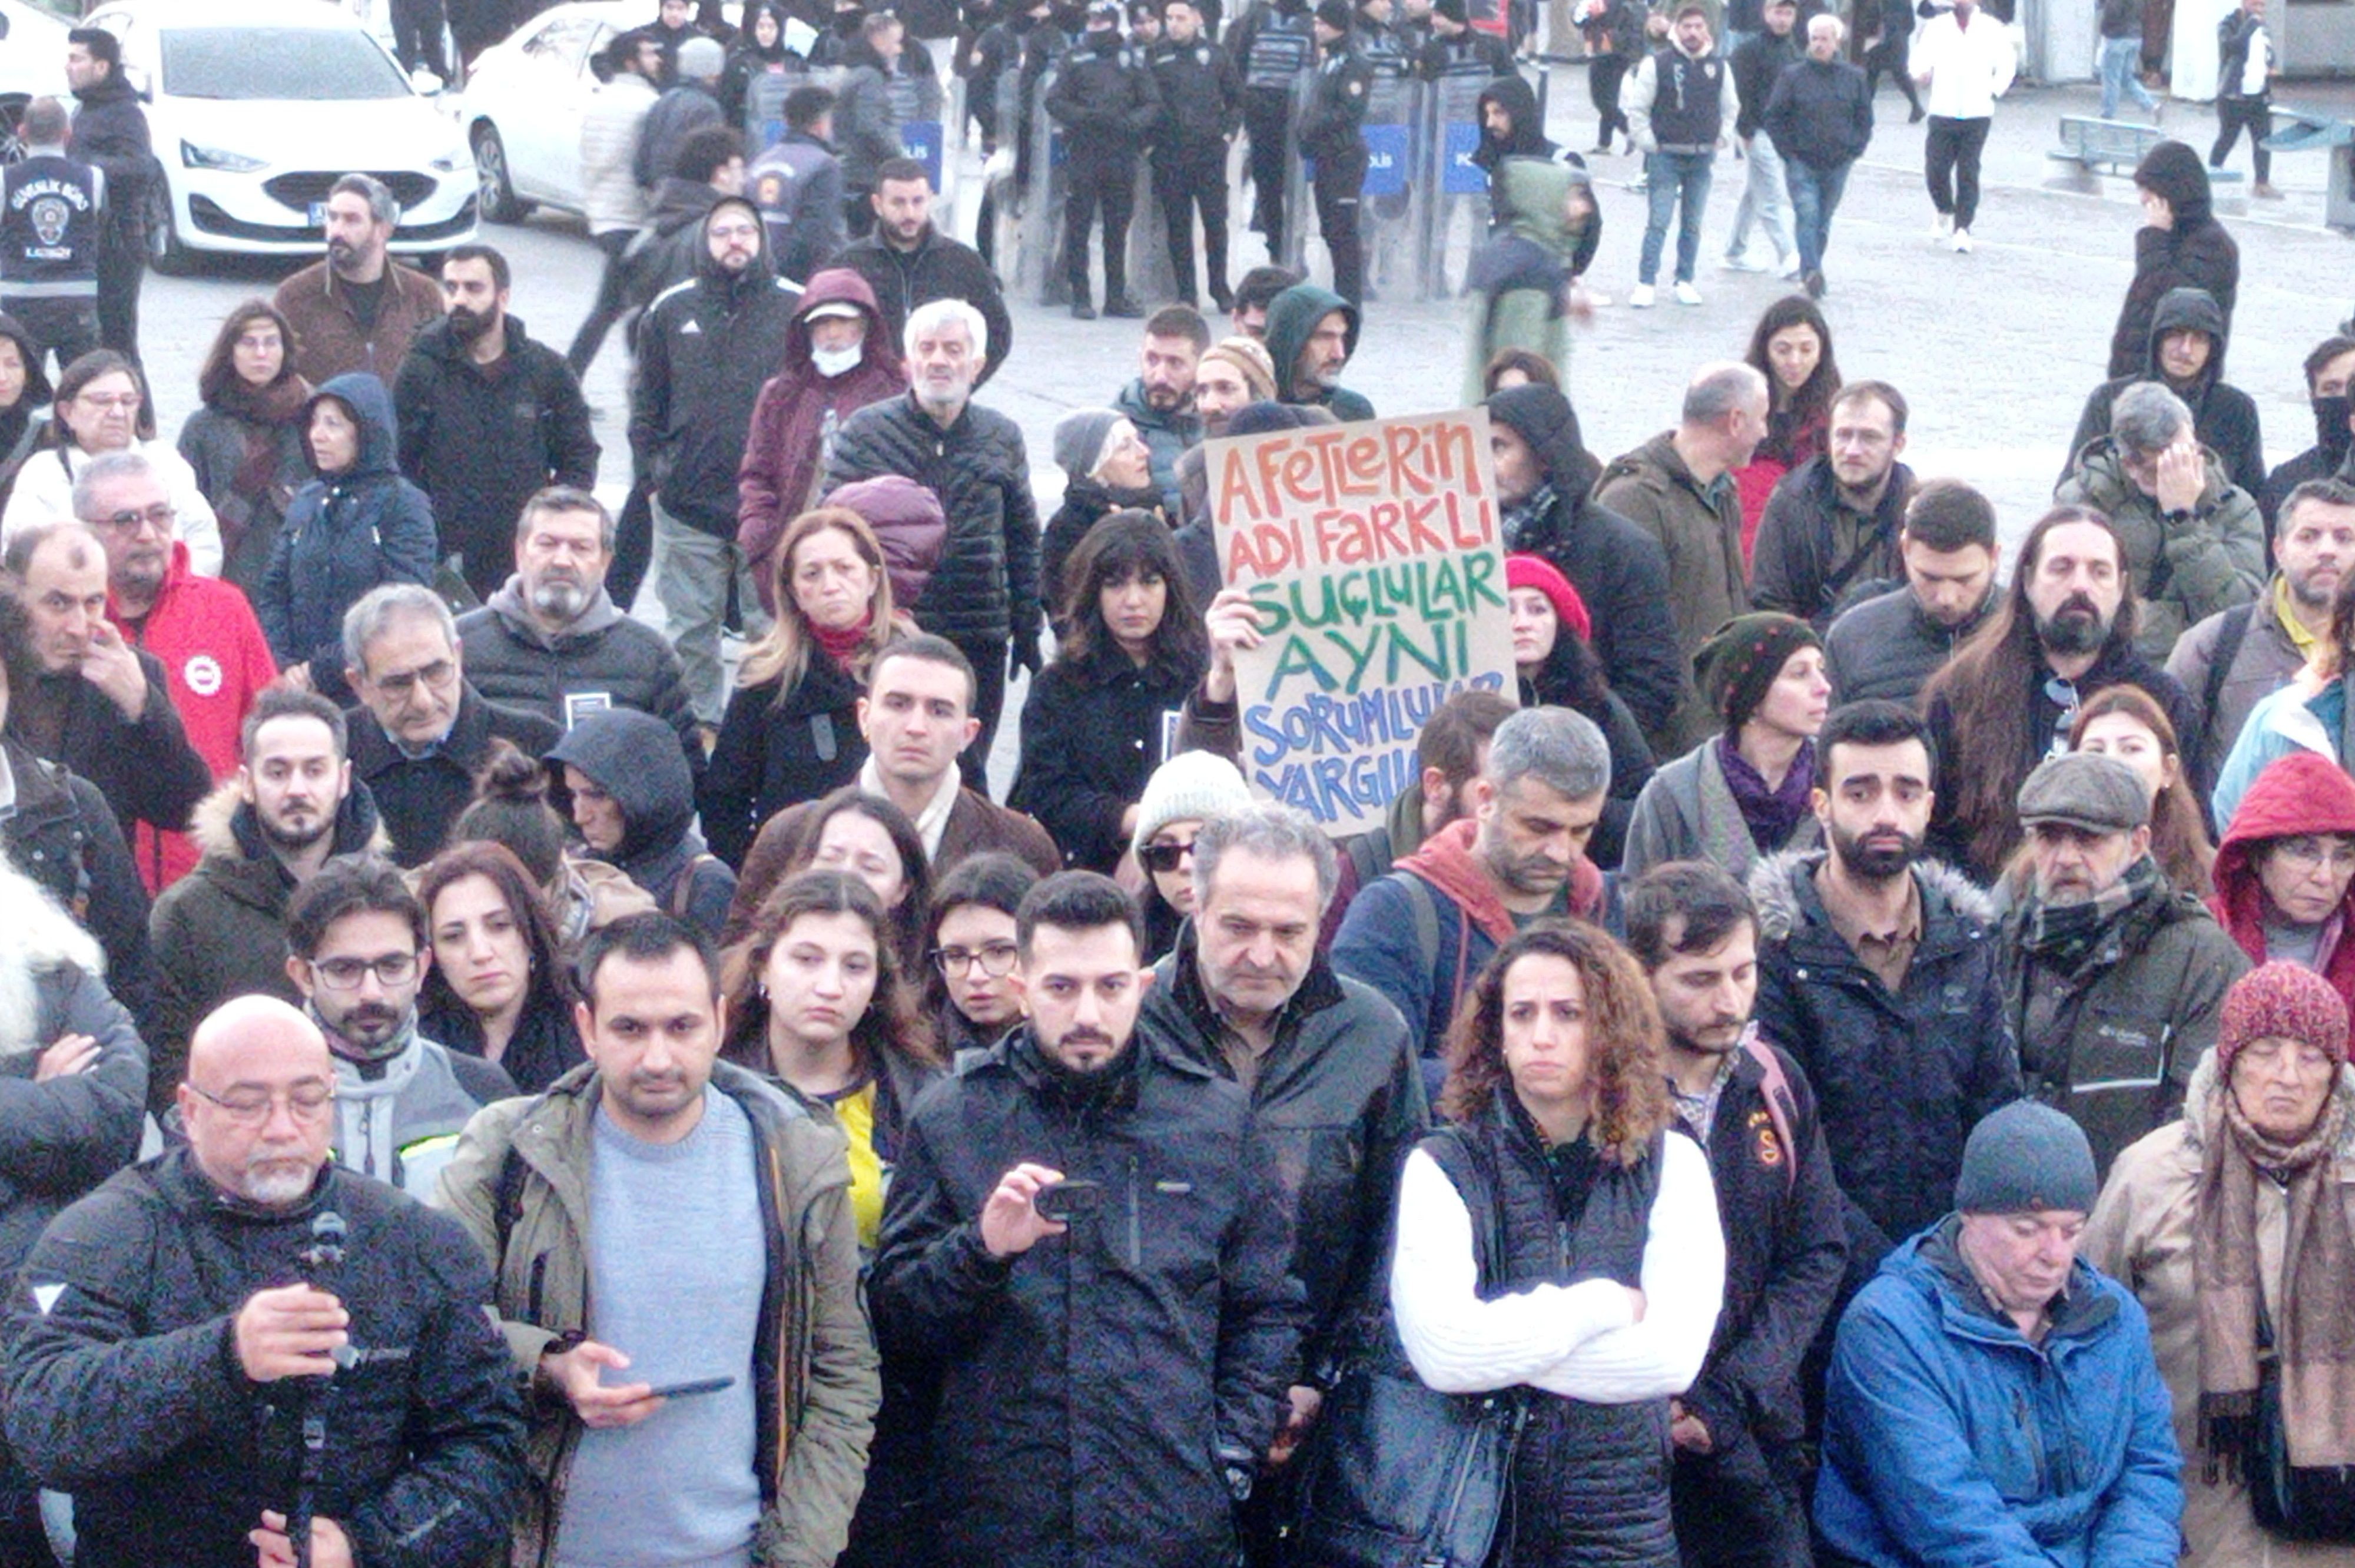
<point>2121,62</point>
<point>2231,113</point>
<point>1951,166</point>
<point>1671,175</point>
<point>1764,198</point>
<point>696,566</point>
<point>1815,193</point>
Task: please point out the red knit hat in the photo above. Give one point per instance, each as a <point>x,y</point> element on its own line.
<point>2284,999</point>
<point>1536,572</point>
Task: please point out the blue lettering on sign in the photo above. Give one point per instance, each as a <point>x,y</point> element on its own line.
<point>1458,175</point>
<point>1386,159</point>
<point>921,140</point>
<point>1337,758</point>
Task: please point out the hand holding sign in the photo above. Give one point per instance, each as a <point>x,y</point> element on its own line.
<point>1233,623</point>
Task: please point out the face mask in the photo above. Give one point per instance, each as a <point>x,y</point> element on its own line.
<point>2330,432</point>
<point>835,361</point>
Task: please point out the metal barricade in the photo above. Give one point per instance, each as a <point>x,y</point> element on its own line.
<point>1037,262</point>
<point>1389,215</point>
<point>916,104</point>
<point>1453,181</point>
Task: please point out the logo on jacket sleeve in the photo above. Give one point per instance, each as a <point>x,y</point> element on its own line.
<point>203,675</point>
<point>1765,1140</point>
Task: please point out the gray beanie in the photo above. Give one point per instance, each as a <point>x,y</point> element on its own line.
<point>701,58</point>
<point>1080,440</point>
<point>1191,785</point>
<point>2026,1158</point>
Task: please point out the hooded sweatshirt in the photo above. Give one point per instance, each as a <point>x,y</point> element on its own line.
<point>2194,251</point>
<point>1515,282</point>
<point>2301,793</point>
<point>2225,418</point>
<point>634,758</point>
<point>1292,318</point>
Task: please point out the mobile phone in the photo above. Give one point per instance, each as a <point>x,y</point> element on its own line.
<point>687,1389</point>
<point>1063,1201</point>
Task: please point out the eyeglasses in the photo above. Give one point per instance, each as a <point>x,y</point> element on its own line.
<point>996,960</point>
<point>252,1108</point>
<point>2305,854</point>
<point>437,675</point>
<point>346,974</point>
<point>159,517</point>
<point>2064,693</point>
<point>1164,856</point>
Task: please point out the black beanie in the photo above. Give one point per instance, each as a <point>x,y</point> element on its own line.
<point>1741,659</point>
<point>1454,10</point>
<point>1335,14</point>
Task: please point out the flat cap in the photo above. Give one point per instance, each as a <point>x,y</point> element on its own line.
<point>2085,790</point>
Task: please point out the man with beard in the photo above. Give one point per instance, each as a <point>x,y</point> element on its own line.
<point>2065,629</point>
<point>2235,658</point>
<point>552,642</point>
<point>1420,934</point>
<point>1875,972</point>
<point>487,418</point>
<point>1834,521</point>
<point>2329,368</point>
<point>1890,645</point>
<point>220,931</point>
<point>1738,1487</point>
<point>358,309</point>
<point>357,950</point>
<point>1137,1364</point>
<point>2113,981</point>
<point>199,629</point>
<point>909,264</point>
<point>1311,334</point>
<point>1160,401</point>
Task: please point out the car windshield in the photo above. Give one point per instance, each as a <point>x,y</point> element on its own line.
<point>301,64</point>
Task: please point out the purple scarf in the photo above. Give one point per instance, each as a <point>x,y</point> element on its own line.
<point>1771,814</point>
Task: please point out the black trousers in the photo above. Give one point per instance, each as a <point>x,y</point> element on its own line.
<point>633,546</point>
<point>1604,73</point>
<point>1892,57</point>
<point>1740,1507</point>
<point>65,327</point>
<point>1184,179</point>
<point>121,269</point>
<point>1267,113</point>
<point>613,302</point>
<point>1340,183</point>
<point>1094,185</point>
<point>988,661</point>
<point>417,35</point>
<point>2232,113</point>
<point>1951,166</point>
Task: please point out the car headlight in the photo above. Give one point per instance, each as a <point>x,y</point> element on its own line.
<point>196,157</point>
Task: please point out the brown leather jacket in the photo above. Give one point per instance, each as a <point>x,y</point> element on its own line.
<point>328,338</point>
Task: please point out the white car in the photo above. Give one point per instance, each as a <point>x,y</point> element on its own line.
<point>524,101</point>
<point>257,107</point>
<point>32,60</point>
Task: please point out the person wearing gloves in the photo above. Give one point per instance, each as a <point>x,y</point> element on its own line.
<point>634,802</point>
<point>1107,468</point>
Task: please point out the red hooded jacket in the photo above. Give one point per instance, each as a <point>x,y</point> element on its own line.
<point>2301,793</point>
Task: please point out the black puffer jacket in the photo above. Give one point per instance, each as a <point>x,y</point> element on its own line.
<point>2194,251</point>
<point>1090,738</point>
<point>1089,1385</point>
<point>986,588</point>
<point>2223,417</point>
<point>1337,1107</point>
<point>63,835</point>
<point>1885,647</point>
<point>771,755</point>
<point>124,1388</point>
<point>939,268</point>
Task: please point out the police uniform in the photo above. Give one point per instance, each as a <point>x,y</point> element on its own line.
<point>1202,103</point>
<point>1272,45</point>
<point>1330,128</point>
<point>1104,99</point>
<point>51,218</point>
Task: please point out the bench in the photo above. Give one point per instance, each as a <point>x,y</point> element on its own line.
<point>2114,146</point>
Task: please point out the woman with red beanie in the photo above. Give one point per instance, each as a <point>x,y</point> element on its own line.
<point>2286,871</point>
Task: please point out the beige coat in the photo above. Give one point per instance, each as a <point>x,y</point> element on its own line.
<point>2141,1234</point>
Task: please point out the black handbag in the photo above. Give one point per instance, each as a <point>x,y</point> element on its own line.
<point>2309,1503</point>
<point>1399,1475</point>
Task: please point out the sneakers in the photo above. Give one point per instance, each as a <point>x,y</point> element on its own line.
<point>1790,268</point>
<point>1815,284</point>
<point>1687,294</point>
<point>1741,263</point>
<point>1640,297</point>
<point>1962,241</point>
<point>1598,301</point>
<point>1945,228</point>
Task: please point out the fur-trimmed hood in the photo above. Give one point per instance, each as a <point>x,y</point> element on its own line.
<point>223,825</point>
<point>1783,908</point>
<point>42,938</point>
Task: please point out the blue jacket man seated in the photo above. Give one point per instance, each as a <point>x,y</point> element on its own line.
<point>1993,1399</point>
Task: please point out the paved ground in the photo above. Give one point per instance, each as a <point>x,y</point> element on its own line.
<point>1996,350</point>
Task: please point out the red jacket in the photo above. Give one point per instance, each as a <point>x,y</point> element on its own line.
<point>2301,793</point>
<point>204,634</point>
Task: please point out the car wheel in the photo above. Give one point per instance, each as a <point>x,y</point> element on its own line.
<point>498,203</point>
<point>165,254</point>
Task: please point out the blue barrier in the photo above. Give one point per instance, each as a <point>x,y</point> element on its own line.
<point>1387,153</point>
<point>921,140</point>
<point>1458,175</point>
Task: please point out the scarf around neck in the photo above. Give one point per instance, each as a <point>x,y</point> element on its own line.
<point>1771,814</point>
<point>2064,934</point>
<point>840,645</point>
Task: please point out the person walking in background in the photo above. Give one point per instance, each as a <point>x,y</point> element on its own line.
<point>1819,118</point>
<point>2121,59</point>
<point>1681,106</point>
<point>1758,64</point>
<point>610,128</point>
<point>1966,60</point>
<point>1886,47</point>
<point>2244,73</point>
<point>110,129</point>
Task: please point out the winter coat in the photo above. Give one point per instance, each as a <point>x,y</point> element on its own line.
<point>1949,1437</point>
<point>1086,502</point>
<point>1167,436</point>
<point>786,448</point>
<point>1699,529</point>
<point>986,588</point>
<point>484,438</point>
<point>678,113</point>
<point>866,125</point>
<point>2298,716</point>
<point>2264,661</point>
<point>43,493</point>
<point>1292,319</point>
<point>1812,548</point>
<point>611,195</point>
<point>329,340</point>
<point>2195,251</point>
<point>419,797</point>
<point>2184,569</point>
<point>772,754</point>
<point>1202,93</point>
<point>939,268</point>
<point>1515,282</point>
<point>1885,647</point>
<point>110,129</point>
<point>1758,64</point>
<point>704,347</point>
<point>622,753</point>
<point>1104,99</point>
<point>220,931</point>
<point>1090,1385</point>
<point>345,534</point>
<point>63,836</point>
<point>662,254</point>
<point>2142,1235</point>
<point>1689,813</point>
<point>603,653</point>
<point>1335,1109</point>
<point>1091,738</point>
<point>1900,1078</point>
<point>2113,1043</point>
<point>212,442</point>
<point>123,1386</point>
<point>2223,417</point>
<point>216,661</point>
<point>145,767</point>
<point>1820,114</point>
<point>2299,794</point>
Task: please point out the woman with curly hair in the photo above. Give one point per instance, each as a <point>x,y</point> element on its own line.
<point>499,986</point>
<point>1561,1240</point>
<point>1792,347</point>
<point>246,444</point>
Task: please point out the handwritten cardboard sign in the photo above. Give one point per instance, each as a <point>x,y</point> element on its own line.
<point>1373,553</point>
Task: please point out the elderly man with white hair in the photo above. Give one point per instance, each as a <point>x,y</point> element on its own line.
<point>984,594</point>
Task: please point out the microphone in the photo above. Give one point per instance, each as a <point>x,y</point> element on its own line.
<point>321,1261</point>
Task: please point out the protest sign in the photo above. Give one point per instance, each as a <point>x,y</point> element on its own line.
<point>1373,554</point>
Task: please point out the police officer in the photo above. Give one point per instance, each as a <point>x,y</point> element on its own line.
<point>1273,45</point>
<point>1202,104</point>
<point>1330,133</point>
<point>51,207</point>
<point>110,129</point>
<point>1458,50</point>
<point>1104,99</point>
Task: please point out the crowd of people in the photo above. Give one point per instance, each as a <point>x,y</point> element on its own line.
<point>1844,1060</point>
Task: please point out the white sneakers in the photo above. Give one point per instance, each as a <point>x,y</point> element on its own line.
<point>1741,263</point>
<point>1790,269</point>
<point>1640,297</point>
<point>1687,294</point>
<point>1962,241</point>
<point>1945,228</point>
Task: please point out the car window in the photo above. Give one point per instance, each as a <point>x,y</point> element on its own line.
<point>295,64</point>
<point>563,43</point>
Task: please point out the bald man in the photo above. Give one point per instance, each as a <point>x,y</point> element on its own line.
<point>170,1332</point>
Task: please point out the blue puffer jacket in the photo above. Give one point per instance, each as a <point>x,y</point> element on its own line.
<point>1951,1442</point>
<point>345,534</point>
